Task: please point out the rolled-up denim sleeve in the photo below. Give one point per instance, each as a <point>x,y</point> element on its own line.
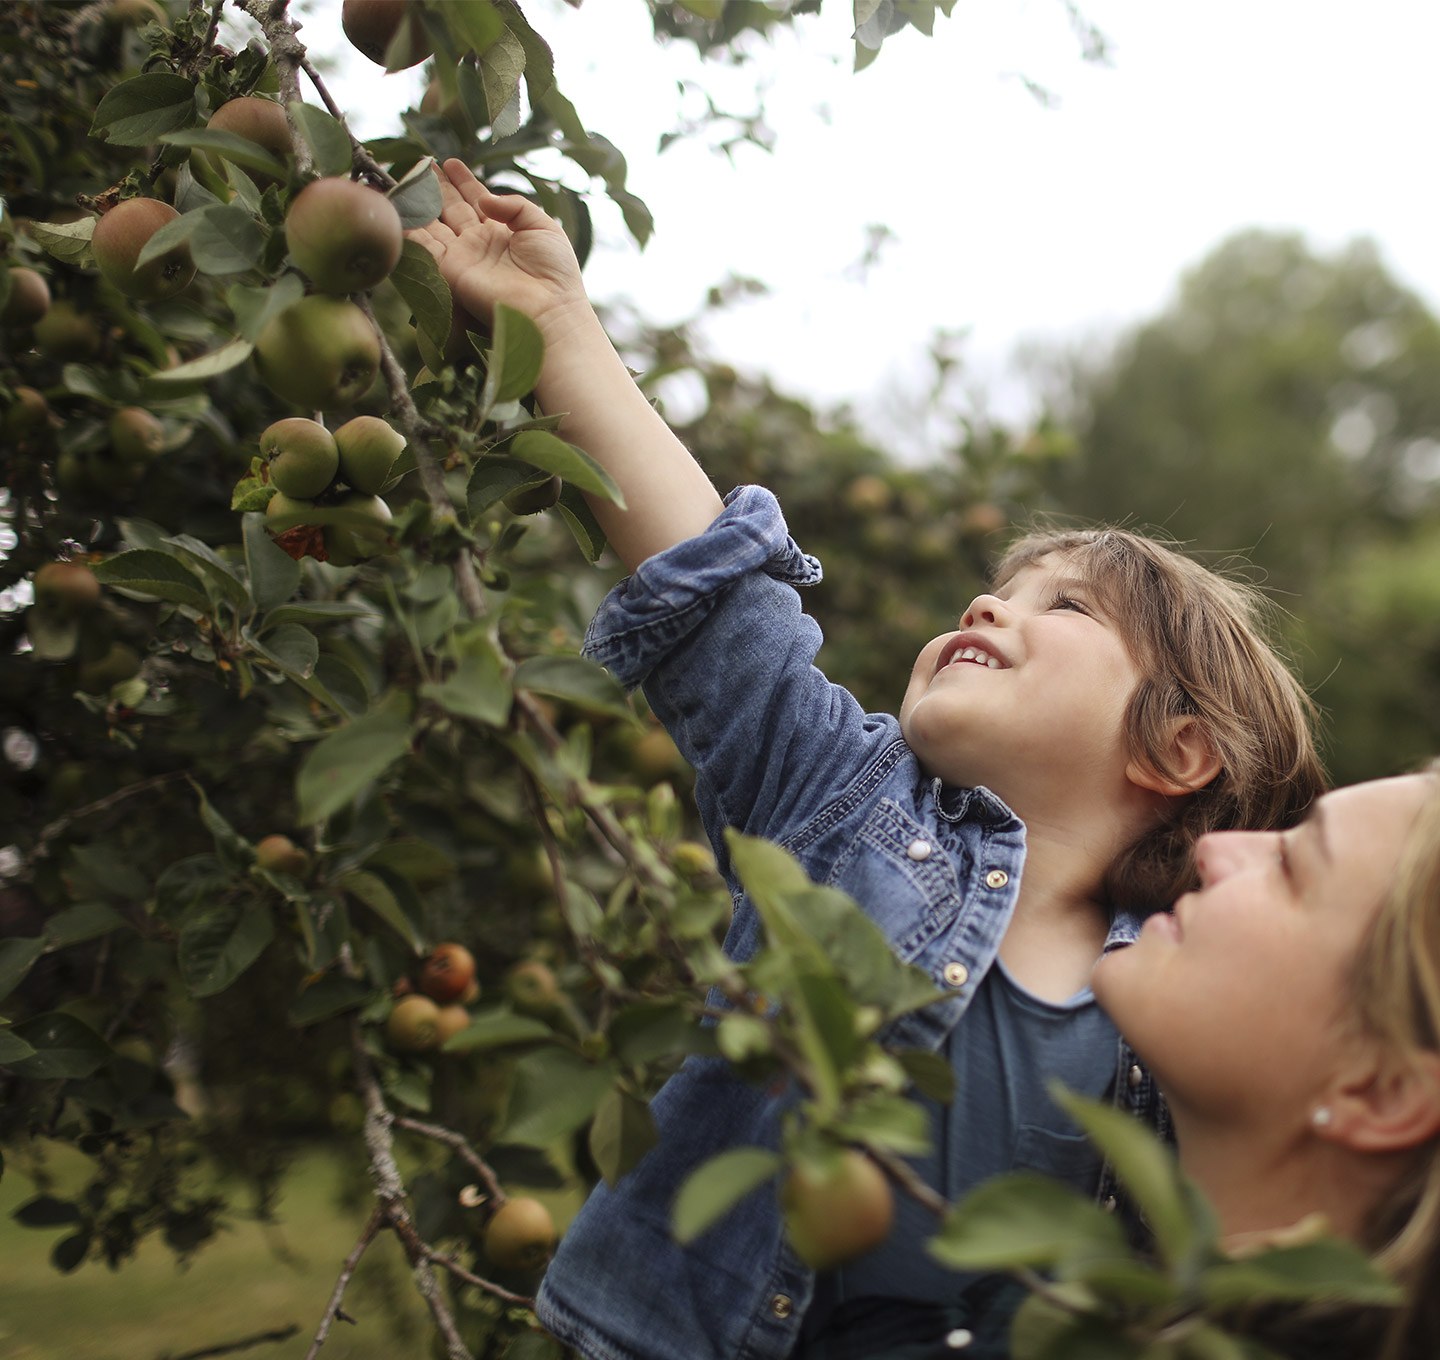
<point>713,630</point>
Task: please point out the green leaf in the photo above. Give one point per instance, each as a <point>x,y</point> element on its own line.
<point>17,957</point>
<point>330,994</point>
<point>1325,1271</point>
<point>1025,1219</point>
<point>622,1133</point>
<point>46,1211</point>
<point>232,147</point>
<point>319,611</point>
<point>377,894</point>
<point>291,647</point>
<point>274,574</point>
<point>69,1252</point>
<point>327,138</point>
<point>1182,1223</point>
<point>85,921</point>
<point>553,454</point>
<point>68,242</point>
<point>493,478</point>
<point>64,1047</point>
<point>501,66</point>
<point>474,25</point>
<point>477,688</point>
<point>517,350</point>
<point>254,308</point>
<point>173,233</point>
<point>499,1029</point>
<point>555,1093</point>
<point>581,522</point>
<point>148,571</point>
<point>887,1122</point>
<point>226,240</point>
<point>12,1050</point>
<point>575,679</point>
<point>717,1185</point>
<point>231,849</point>
<point>418,280</point>
<point>219,943</point>
<point>346,763</point>
<point>142,110</point>
<point>932,1073</point>
<point>204,368</point>
<point>212,566</point>
<point>417,197</point>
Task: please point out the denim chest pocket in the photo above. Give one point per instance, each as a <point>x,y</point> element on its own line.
<point>905,881</point>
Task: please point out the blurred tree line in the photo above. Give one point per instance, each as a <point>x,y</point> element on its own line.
<point>1281,419</point>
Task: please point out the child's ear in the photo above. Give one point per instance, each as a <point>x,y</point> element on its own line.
<point>1388,1102</point>
<point>1193,762</point>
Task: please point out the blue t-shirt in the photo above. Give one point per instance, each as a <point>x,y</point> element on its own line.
<point>1000,1120</point>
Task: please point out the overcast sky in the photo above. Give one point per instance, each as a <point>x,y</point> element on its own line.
<point>1016,221</point>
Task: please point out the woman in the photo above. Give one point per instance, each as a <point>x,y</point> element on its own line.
<point>1290,1009</point>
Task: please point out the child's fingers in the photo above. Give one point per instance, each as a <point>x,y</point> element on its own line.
<point>514,210</point>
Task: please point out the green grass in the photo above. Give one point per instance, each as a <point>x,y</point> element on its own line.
<point>237,1286</point>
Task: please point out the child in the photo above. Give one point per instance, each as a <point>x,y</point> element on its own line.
<point>1086,722</point>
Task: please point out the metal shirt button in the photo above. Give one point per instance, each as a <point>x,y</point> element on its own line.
<point>782,1305</point>
<point>1136,1076</point>
<point>959,1338</point>
<point>918,849</point>
<point>1109,1205</point>
<point>996,878</point>
<point>956,974</point>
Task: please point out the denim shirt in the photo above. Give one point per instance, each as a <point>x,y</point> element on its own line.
<point>713,629</point>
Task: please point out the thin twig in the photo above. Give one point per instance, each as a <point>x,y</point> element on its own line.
<point>60,824</point>
<point>457,1141</point>
<point>460,1273</point>
<point>360,159</point>
<point>259,1339</point>
<point>905,1176</point>
<point>337,1295</point>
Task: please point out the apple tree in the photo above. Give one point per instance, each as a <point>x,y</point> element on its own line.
<point>317,823</point>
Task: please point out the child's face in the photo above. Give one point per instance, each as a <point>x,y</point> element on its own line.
<point>1034,686</point>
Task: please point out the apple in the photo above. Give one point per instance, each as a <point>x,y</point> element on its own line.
<point>280,855</point>
<point>100,674</point>
<point>287,512</point>
<point>65,333</point>
<point>303,456</point>
<point>29,298</point>
<point>258,120</point>
<point>368,449</point>
<point>532,987</point>
<point>122,234</point>
<point>453,1019</point>
<point>64,589</point>
<point>27,415</point>
<point>836,1209</point>
<point>371,26</point>
<point>135,435</point>
<point>321,352</point>
<point>356,529</point>
<point>531,500</point>
<point>343,235</point>
<point>520,1235</point>
<point>413,1025</point>
<point>447,972</point>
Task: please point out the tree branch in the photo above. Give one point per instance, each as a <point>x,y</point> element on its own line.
<point>457,1141</point>
<point>460,1273</point>
<point>337,1295</point>
<point>259,1339</point>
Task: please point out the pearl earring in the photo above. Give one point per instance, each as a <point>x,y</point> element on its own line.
<point>1321,1117</point>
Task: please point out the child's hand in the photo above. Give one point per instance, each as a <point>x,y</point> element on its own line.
<point>502,248</point>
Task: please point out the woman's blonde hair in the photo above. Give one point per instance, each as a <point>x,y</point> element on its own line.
<point>1398,998</point>
<point>1202,642</point>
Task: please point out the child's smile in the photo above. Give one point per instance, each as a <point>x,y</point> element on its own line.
<point>971,648</point>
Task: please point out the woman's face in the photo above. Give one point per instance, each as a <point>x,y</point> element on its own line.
<point>1239,999</point>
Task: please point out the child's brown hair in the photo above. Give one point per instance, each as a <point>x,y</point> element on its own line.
<point>1201,640</point>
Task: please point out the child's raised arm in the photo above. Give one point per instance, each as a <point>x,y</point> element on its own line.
<point>495,248</point>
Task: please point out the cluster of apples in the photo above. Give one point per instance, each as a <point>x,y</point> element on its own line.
<point>431,1007</point>
<point>331,482</point>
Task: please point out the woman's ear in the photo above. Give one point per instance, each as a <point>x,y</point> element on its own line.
<point>1388,1103</point>
<point>1193,762</point>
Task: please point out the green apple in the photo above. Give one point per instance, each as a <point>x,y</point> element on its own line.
<point>123,233</point>
<point>303,456</point>
<point>356,529</point>
<point>343,235</point>
<point>321,352</point>
<point>368,449</point>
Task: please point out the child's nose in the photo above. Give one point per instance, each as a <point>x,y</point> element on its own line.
<point>983,609</point>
